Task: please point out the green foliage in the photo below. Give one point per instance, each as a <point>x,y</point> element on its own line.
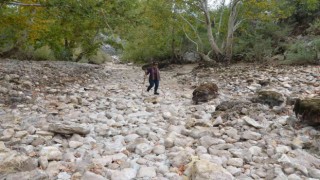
<point>302,52</point>
<point>314,28</point>
<point>262,40</point>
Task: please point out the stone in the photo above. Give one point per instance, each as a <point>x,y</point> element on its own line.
<point>36,174</point>
<point>92,176</point>
<point>204,169</point>
<point>159,149</point>
<point>294,177</point>
<point>51,152</point>
<point>124,174</point>
<point>64,176</point>
<point>270,98</point>
<point>207,141</point>
<point>75,144</point>
<point>205,92</point>
<point>43,162</point>
<point>314,173</point>
<point>255,150</point>
<point>146,172</point>
<point>308,110</point>
<point>252,122</point>
<point>68,129</point>
<point>250,135</point>
<point>15,162</point>
<point>237,162</point>
<point>143,149</point>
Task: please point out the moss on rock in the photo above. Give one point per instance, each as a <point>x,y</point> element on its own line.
<point>309,109</point>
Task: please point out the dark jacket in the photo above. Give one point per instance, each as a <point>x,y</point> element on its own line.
<point>154,73</point>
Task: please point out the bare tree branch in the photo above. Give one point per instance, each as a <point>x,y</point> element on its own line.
<point>195,31</point>
<point>190,39</point>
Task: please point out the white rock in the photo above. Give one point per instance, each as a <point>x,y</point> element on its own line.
<point>92,176</point>
<point>166,115</point>
<point>255,150</point>
<point>75,144</point>
<point>294,177</point>
<point>283,149</point>
<point>143,149</point>
<point>146,172</point>
<point>314,173</point>
<point>250,135</point>
<point>159,149</point>
<point>51,152</point>
<point>252,122</point>
<point>64,176</point>
<point>218,121</point>
<point>237,162</point>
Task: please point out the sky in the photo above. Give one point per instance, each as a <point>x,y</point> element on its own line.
<point>215,3</point>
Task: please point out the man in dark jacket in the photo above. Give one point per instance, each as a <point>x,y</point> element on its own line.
<point>154,77</point>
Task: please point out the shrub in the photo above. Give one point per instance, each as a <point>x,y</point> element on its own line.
<point>302,52</point>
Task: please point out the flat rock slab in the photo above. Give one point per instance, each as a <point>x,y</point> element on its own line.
<point>68,129</point>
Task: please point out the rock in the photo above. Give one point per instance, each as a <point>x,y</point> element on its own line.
<point>237,162</point>
<point>252,122</point>
<point>294,177</point>
<point>3,147</point>
<point>270,98</point>
<point>146,172</point>
<point>143,149</point>
<point>309,110</point>
<point>43,162</point>
<point>314,173</point>
<point>15,162</point>
<point>218,121</point>
<point>191,57</point>
<point>255,150</point>
<point>92,176</point>
<point>51,152</point>
<point>207,141</point>
<point>36,174</point>
<point>234,171</point>
<point>250,135</point>
<point>159,149</point>
<point>68,129</point>
<point>75,144</point>
<point>7,134</point>
<point>124,174</point>
<point>204,169</point>
<point>205,92</point>
<point>168,142</point>
<point>64,176</point>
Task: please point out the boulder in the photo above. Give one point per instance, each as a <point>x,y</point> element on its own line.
<point>309,110</point>
<point>270,98</point>
<point>205,92</point>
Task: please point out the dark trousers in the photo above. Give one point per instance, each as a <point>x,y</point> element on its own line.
<point>154,83</point>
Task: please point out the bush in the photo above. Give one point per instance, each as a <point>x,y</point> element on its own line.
<point>253,48</point>
<point>99,58</point>
<point>302,52</point>
<point>43,53</point>
<point>314,28</point>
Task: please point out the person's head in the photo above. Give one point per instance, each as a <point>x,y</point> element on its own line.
<point>154,64</point>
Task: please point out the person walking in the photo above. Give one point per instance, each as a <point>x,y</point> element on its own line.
<point>154,77</point>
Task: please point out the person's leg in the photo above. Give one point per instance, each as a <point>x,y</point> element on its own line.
<point>156,82</point>
<point>151,82</point>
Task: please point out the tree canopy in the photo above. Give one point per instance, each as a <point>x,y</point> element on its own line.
<point>163,29</point>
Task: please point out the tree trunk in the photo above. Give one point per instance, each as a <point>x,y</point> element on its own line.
<point>213,44</point>
<point>231,29</point>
